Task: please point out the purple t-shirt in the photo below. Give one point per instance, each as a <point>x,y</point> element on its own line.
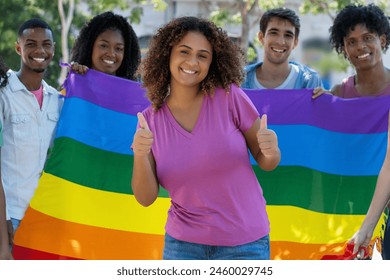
<point>348,89</point>
<point>216,198</point>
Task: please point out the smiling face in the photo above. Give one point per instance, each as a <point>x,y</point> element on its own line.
<point>36,49</point>
<point>278,40</point>
<point>363,48</point>
<point>108,52</point>
<point>190,60</point>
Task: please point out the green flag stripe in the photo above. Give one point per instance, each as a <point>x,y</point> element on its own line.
<point>317,191</point>
<point>83,165</point>
<point>286,185</point>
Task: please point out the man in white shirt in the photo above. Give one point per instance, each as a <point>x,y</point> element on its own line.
<point>29,113</point>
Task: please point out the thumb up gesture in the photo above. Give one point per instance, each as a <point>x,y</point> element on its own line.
<point>143,138</point>
<point>267,139</point>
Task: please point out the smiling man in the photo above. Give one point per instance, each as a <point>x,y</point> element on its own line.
<point>362,35</point>
<point>279,31</point>
<point>29,113</point>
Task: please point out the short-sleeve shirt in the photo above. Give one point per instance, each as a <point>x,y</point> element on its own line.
<point>216,198</point>
<point>28,131</point>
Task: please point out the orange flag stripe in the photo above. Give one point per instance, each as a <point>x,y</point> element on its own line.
<point>122,245</point>
<point>285,250</point>
<point>86,242</point>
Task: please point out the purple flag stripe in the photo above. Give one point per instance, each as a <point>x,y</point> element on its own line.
<point>113,92</point>
<point>342,115</point>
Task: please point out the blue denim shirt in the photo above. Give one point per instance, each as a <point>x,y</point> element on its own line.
<point>307,77</point>
<point>28,131</point>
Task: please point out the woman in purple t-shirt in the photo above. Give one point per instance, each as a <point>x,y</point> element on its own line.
<point>193,141</point>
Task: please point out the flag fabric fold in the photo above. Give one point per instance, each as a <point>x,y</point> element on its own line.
<point>332,150</point>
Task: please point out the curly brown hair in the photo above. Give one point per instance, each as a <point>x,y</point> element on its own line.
<point>226,67</point>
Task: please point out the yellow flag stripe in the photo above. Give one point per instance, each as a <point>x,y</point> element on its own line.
<point>79,204</point>
<point>294,224</point>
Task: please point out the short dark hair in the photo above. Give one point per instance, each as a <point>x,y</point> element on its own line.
<point>282,13</point>
<point>346,20</point>
<point>82,49</point>
<point>33,23</point>
<point>3,73</point>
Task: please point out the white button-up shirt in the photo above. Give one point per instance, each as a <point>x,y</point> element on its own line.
<point>28,132</point>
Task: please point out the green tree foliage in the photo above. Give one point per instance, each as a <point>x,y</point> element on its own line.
<point>135,7</point>
<point>331,7</point>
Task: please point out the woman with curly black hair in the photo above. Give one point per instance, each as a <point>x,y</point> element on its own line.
<point>107,43</point>
<point>3,73</point>
<point>193,141</point>
<point>362,34</point>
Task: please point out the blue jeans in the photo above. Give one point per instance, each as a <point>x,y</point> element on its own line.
<point>180,250</point>
<point>15,225</point>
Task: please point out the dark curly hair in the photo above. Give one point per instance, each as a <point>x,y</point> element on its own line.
<point>370,16</point>
<point>82,49</point>
<point>226,66</point>
<point>3,73</point>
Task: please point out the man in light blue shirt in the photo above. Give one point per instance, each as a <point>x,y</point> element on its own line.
<point>279,31</point>
<point>29,113</point>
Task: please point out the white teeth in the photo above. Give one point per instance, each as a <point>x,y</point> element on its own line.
<point>39,59</point>
<point>188,71</point>
<point>108,61</point>
<point>279,51</point>
<point>363,55</point>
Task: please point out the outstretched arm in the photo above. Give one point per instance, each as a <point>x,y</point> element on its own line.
<point>378,203</point>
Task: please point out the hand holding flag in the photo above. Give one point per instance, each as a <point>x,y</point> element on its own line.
<point>362,238</point>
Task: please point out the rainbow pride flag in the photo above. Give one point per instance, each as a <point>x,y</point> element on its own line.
<point>84,208</point>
